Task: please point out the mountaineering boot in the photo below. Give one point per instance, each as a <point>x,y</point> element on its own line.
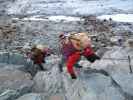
<point>73,76</point>
<point>92,58</point>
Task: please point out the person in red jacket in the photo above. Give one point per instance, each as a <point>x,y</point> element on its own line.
<point>71,56</point>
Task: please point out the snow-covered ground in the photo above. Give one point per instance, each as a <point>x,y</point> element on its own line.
<point>70,7</point>
<point>118,17</point>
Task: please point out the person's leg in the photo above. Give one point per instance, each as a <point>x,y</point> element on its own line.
<point>41,67</point>
<point>70,63</point>
<point>61,64</point>
<point>77,65</point>
<point>90,55</point>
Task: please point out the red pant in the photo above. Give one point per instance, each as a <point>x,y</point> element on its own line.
<point>73,58</point>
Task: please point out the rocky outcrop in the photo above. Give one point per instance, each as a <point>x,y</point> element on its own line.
<point>48,82</point>
<point>115,60</point>
<point>93,87</point>
<point>12,58</point>
<point>125,82</point>
<point>14,83</point>
<point>12,61</point>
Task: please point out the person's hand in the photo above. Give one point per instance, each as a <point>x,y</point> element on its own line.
<point>28,60</point>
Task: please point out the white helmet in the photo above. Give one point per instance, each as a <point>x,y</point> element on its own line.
<point>40,46</point>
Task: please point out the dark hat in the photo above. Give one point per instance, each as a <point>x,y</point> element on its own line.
<point>61,36</point>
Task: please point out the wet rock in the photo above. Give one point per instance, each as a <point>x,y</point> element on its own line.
<point>14,83</point>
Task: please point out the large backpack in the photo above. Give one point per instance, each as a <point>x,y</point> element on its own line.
<point>80,40</point>
<point>73,42</point>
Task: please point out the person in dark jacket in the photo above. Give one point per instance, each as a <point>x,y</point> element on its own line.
<point>38,54</point>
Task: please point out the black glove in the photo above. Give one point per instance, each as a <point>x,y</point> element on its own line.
<point>92,58</point>
<point>73,76</point>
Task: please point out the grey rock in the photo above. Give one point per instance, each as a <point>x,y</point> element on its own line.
<point>14,83</point>
<point>93,87</point>
<point>12,58</point>
<point>48,82</point>
<point>31,96</point>
<point>115,60</point>
<point>125,81</point>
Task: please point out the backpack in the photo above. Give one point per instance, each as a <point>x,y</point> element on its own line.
<point>80,40</point>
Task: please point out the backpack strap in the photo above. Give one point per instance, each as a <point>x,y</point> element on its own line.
<point>71,37</point>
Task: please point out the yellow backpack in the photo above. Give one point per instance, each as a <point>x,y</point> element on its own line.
<point>80,40</point>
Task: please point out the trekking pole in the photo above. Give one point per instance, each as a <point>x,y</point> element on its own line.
<point>130,67</point>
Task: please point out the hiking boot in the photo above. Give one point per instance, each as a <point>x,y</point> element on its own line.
<point>93,58</point>
<point>73,76</point>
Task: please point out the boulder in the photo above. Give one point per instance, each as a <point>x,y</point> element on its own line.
<point>14,83</point>
<point>93,87</point>
<point>48,82</point>
<point>125,81</point>
<point>115,60</point>
<point>12,58</point>
<point>16,61</point>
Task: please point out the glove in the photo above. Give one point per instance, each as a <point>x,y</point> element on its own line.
<point>28,60</point>
<point>92,58</point>
<point>73,76</point>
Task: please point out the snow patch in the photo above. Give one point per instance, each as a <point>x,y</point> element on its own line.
<point>65,18</point>
<point>35,19</point>
<point>118,17</point>
<point>52,18</point>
